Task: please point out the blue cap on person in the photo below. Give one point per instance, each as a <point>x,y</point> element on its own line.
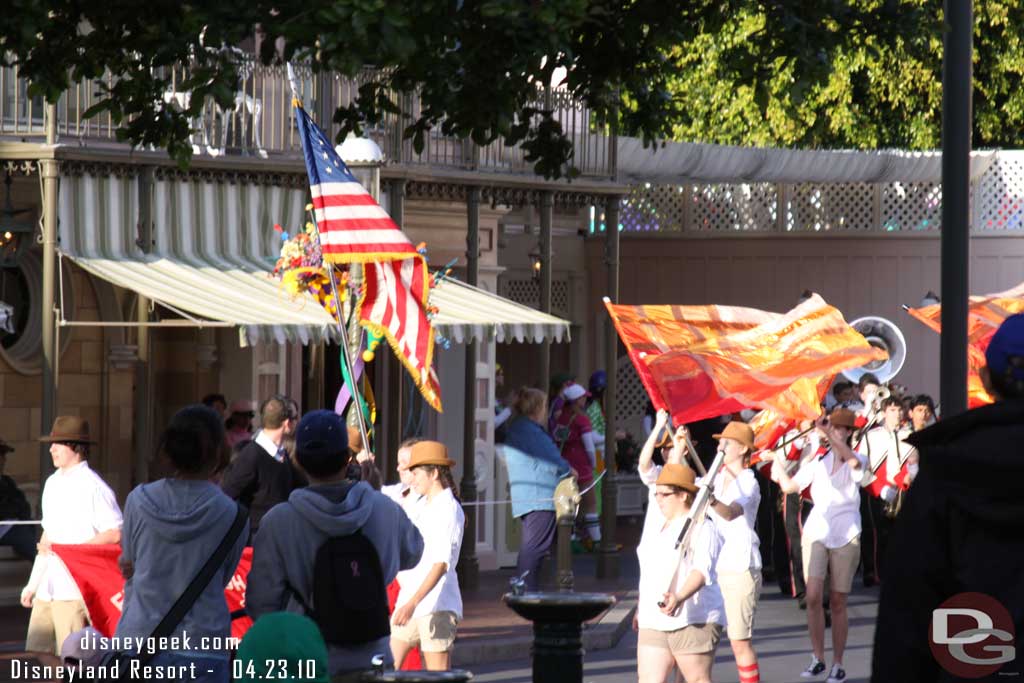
<point>1006,342</point>
<point>292,641</point>
<point>321,433</point>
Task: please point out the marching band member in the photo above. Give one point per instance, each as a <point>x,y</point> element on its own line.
<point>798,448</point>
<point>887,456</point>
<point>739,560</point>
<point>679,609</point>
<point>831,537</point>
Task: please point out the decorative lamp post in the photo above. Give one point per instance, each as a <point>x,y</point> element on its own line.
<point>364,158</point>
<point>558,617</point>
<point>15,234</point>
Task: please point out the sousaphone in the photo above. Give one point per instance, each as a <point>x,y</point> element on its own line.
<point>881,334</point>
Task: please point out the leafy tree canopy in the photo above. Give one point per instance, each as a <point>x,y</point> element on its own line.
<point>881,92</point>
<point>650,67</point>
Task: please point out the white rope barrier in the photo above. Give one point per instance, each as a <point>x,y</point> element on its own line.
<point>535,500</point>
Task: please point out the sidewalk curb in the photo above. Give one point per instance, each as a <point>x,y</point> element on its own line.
<point>603,635</point>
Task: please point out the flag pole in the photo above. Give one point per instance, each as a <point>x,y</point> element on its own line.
<point>346,358</point>
<point>345,349</point>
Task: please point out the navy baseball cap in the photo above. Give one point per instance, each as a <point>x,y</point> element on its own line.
<point>1006,342</point>
<point>321,433</point>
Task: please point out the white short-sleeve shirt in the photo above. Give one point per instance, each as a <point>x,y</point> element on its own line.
<point>740,544</point>
<point>834,520</point>
<point>77,505</point>
<point>440,520</point>
<point>653,520</point>
<point>659,561</point>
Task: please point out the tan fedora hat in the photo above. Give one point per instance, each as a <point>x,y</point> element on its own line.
<point>429,453</point>
<point>841,417</point>
<point>681,476</point>
<point>738,431</point>
<point>68,429</point>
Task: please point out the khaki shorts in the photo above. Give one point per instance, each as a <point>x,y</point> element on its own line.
<point>841,562</point>
<point>434,632</point>
<point>740,592</point>
<point>52,621</point>
<point>695,639</point>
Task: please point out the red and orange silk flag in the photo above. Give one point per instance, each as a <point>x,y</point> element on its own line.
<point>984,316</point>
<point>703,361</point>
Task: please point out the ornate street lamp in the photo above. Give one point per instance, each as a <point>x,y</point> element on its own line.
<point>15,234</point>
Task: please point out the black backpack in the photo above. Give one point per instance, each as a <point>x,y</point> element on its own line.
<point>350,598</point>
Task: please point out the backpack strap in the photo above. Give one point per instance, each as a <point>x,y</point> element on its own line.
<point>199,583</point>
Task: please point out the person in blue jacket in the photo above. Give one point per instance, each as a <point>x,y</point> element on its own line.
<point>534,469</point>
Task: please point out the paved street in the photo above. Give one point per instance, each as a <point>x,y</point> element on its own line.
<point>780,639</point>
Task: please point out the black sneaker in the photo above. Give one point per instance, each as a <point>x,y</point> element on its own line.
<point>837,675</point>
<point>815,669</point>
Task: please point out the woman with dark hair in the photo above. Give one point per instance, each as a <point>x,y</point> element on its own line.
<point>534,469</point>
<point>171,527</point>
<point>429,605</point>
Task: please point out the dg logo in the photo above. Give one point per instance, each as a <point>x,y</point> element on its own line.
<point>972,635</point>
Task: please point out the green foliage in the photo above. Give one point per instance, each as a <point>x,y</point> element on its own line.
<point>880,92</point>
<point>789,71</point>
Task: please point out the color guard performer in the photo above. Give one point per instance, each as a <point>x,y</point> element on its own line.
<point>831,537</point>
<point>739,560</point>
<point>679,609</point>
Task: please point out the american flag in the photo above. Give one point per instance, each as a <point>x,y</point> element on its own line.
<point>355,229</point>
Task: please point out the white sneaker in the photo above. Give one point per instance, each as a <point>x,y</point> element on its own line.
<point>816,668</point>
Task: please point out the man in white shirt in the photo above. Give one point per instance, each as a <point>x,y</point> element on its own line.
<point>78,507</point>
<point>401,492</point>
<point>831,537</point>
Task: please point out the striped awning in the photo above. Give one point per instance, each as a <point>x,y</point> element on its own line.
<point>214,247</point>
<point>467,313</point>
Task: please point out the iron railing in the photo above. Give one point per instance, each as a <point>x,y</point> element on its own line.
<point>260,122</point>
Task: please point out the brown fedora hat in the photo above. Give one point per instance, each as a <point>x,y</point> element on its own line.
<point>738,431</point>
<point>841,417</point>
<point>68,429</point>
<point>429,453</point>
<point>681,476</point>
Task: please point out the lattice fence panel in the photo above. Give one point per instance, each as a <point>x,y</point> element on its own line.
<point>653,208</point>
<point>631,398</point>
<point>911,207</point>
<point>526,291</point>
<point>744,207</point>
<point>999,196</point>
<point>817,207</point>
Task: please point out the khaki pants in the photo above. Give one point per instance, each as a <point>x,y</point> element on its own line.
<point>52,621</point>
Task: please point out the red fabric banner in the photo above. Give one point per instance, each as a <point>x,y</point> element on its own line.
<point>705,361</point>
<point>94,568</point>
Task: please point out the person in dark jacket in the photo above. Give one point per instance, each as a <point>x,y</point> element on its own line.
<point>534,468</point>
<point>14,506</point>
<point>262,474</point>
<point>960,528</point>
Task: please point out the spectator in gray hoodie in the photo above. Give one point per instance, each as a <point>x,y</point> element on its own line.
<point>171,527</point>
<point>285,547</point>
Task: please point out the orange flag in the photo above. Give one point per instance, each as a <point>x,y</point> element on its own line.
<point>984,316</point>
<point>703,361</point>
